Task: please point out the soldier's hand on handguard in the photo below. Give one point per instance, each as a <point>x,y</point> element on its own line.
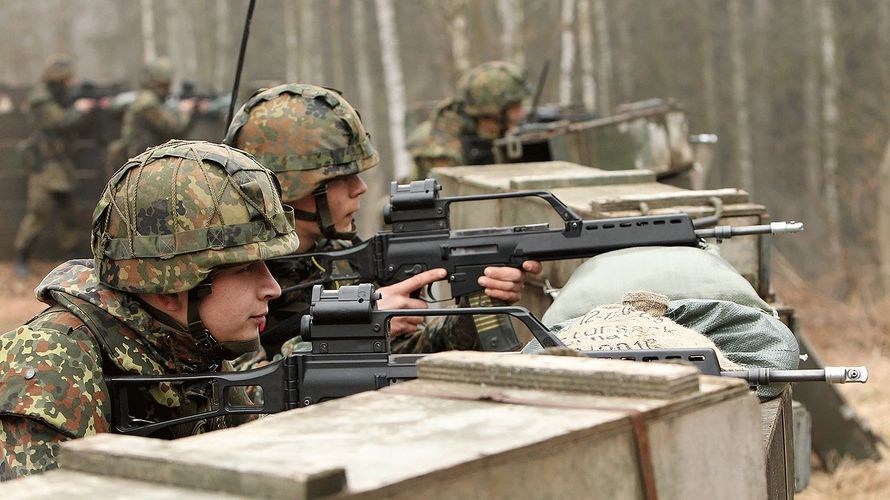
<point>187,105</point>
<point>398,296</point>
<point>506,283</point>
<point>84,105</point>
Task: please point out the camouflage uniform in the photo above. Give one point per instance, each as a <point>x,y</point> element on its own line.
<point>147,120</point>
<point>308,136</point>
<point>486,90</point>
<point>47,154</point>
<point>52,369</point>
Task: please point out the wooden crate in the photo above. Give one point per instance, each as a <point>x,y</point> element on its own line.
<point>502,433</point>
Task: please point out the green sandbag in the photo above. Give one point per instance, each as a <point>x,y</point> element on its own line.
<point>677,272</point>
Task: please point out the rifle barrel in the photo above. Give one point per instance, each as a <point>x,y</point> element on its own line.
<point>726,232</point>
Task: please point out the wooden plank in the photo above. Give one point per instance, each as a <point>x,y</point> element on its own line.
<point>164,462</point>
<point>606,377</point>
<point>74,485</point>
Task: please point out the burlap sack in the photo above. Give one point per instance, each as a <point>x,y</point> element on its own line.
<point>637,323</point>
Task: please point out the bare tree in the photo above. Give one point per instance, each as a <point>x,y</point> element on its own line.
<point>740,97</point>
<point>335,63</point>
<point>567,54</point>
<point>604,62</point>
<point>222,53</point>
<point>456,14</point>
<point>830,116</point>
<point>811,111</point>
<point>149,45</point>
<point>511,14</point>
<point>708,70</point>
<point>291,40</point>
<point>585,43</point>
<point>395,86</point>
<point>180,42</point>
<point>310,56</point>
<point>624,51</point>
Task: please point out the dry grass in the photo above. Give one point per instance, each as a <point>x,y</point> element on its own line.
<point>845,333</point>
<point>853,332</point>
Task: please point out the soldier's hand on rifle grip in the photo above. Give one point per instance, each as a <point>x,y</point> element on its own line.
<point>398,296</point>
<point>506,283</point>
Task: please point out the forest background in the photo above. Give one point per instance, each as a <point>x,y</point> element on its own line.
<point>796,90</point>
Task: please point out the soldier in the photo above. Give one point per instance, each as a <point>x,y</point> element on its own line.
<point>460,130</point>
<point>147,121</point>
<point>177,285</point>
<point>47,154</point>
<point>315,142</point>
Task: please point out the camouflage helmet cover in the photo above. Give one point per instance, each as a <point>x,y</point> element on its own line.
<point>59,69</point>
<point>158,72</point>
<point>489,88</point>
<point>171,215</point>
<point>306,134</point>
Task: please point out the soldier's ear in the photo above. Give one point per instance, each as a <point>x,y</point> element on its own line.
<point>174,305</point>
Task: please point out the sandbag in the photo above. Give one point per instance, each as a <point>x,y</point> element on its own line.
<point>745,336</point>
<point>677,272</point>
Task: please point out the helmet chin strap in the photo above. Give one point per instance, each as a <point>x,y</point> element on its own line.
<point>322,216</point>
<point>205,342</point>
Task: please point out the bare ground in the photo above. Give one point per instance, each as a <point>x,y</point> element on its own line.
<point>846,333</point>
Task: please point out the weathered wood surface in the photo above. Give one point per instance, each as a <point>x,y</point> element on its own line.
<point>74,485</point>
<point>436,439</point>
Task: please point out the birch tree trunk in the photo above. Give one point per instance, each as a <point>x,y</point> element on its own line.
<point>604,64</point>
<point>883,221</point>
<point>740,97</point>
<point>708,60</point>
<point>309,57</point>
<point>180,42</point>
<point>147,18</point>
<point>624,52</point>
<point>395,86</point>
<point>291,41</point>
<point>456,14</point>
<point>335,64</point>
<point>369,219</point>
<point>567,54</point>
<point>223,44</point>
<point>585,45</point>
<point>811,110</point>
<point>830,116</point>
<point>883,215</point>
<point>512,16</point>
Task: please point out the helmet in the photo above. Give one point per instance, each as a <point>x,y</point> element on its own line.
<point>490,87</point>
<point>59,69</point>
<point>158,72</point>
<point>169,216</point>
<point>306,134</point>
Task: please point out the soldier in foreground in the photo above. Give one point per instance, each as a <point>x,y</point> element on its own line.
<point>461,129</point>
<point>177,285</point>
<point>147,120</point>
<point>48,156</point>
<point>316,144</point>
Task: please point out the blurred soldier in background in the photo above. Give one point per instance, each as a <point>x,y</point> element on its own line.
<point>147,121</point>
<point>47,155</point>
<point>460,130</point>
<point>316,144</point>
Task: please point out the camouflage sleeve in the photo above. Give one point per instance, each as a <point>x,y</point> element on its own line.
<point>166,122</point>
<point>453,333</point>
<point>27,447</point>
<point>50,115</point>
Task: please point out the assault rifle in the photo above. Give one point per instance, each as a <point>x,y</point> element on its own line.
<point>350,354</point>
<point>421,239</point>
